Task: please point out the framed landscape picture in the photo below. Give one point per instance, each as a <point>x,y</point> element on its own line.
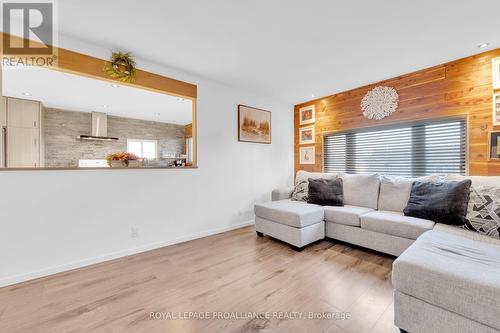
<point>307,115</point>
<point>307,155</point>
<point>254,125</point>
<point>306,135</point>
<point>496,109</point>
<point>496,73</point>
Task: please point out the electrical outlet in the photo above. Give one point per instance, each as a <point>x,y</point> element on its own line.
<point>134,232</point>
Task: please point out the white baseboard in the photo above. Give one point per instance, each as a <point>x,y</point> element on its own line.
<point>115,255</point>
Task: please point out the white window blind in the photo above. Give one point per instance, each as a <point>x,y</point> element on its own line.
<point>410,150</point>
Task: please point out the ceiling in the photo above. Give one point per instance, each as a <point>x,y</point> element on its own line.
<point>288,49</point>
<point>77,93</point>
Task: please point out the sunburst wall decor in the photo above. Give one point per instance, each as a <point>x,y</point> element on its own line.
<point>379,102</point>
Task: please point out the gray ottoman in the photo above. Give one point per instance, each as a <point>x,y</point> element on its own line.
<point>447,283</point>
<point>294,222</point>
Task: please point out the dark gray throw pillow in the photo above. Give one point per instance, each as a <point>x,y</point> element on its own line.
<point>326,192</point>
<point>444,202</point>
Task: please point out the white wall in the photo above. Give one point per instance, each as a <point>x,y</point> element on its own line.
<point>56,220</point>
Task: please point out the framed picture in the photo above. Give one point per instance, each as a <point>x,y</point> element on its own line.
<point>254,125</point>
<point>307,155</point>
<point>494,145</point>
<point>496,109</point>
<point>306,135</point>
<point>307,115</point>
<point>496,73</point>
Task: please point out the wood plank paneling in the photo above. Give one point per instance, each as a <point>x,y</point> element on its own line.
<point>458,88</point>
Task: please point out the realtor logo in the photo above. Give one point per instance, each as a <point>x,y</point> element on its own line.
<point>29,33</point>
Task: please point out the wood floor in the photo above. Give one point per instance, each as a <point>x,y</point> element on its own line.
<point>234,272</point>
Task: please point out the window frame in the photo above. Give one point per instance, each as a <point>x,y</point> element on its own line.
<point>141,141</point>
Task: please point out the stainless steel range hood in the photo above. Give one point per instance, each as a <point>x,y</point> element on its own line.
<point>99,128</point>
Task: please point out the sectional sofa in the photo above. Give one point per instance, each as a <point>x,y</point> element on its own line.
<point>446,278</point>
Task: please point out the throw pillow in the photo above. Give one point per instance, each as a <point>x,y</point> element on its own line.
<point>361,190</point>
<point>444,202</point>
<point>483,213</point>
<point>326,192</point>
<point>300,190</point>
<point>394,193</point>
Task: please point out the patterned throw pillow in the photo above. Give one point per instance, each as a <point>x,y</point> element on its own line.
<point>301,190</point>
<point>483,213</point>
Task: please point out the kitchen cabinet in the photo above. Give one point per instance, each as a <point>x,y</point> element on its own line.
<point>24,147</point>
<point>3,129</point>
<point>23,113</point>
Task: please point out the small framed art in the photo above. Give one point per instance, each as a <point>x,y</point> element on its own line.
<point>307,155</point>
<point>306,135</point>
<point>494,145</point>
<point>496,73</point>
<point>307,115</point>
<point>254,125</point>
<point>496,109</point>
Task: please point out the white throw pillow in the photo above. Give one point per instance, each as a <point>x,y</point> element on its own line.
<point>361,190</point>
<point>394,193</point>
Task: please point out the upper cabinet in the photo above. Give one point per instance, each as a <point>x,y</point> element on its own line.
<point>23,134</point>
<point>23,113</point>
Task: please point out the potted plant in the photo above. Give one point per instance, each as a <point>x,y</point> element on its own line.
<point>123,160</point>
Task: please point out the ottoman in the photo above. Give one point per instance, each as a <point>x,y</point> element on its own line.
<point>294,222</point>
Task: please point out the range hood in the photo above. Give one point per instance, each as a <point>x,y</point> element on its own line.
<point>99,128</point>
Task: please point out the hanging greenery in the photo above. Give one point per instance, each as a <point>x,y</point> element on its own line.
<point>122,67</point>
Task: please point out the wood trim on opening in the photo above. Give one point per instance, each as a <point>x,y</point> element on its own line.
<point>92,67</point>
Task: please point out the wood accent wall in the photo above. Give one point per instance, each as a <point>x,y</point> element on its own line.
<point>458,88</point>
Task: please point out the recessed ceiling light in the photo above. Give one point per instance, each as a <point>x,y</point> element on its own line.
<point>312,96</point>
<point>114,85</point>
<point>26,94</point>
<point>482,46</point>
<point>105,106</point>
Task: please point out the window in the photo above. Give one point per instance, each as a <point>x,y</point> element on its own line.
<point>409,150</point>
<point>143,148</point>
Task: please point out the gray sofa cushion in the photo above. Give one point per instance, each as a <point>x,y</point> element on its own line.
<point>296,214</point>
<point>476,180</point>
<point>346,215</point>
<point>361,190</point>
<point>396,224</point>
<point>452,272</point>
<point>394,193</point>
<point>281,193</point>
<point>305,175</point>
<point>452,229</point>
